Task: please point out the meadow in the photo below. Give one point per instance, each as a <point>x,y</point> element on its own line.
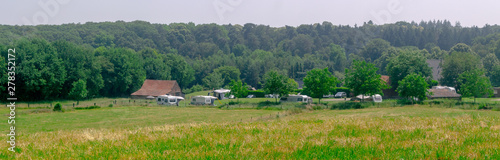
<point>207,132</point>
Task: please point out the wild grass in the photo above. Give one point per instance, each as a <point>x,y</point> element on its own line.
<point>410,132</point>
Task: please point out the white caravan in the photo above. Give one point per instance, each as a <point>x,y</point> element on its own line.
<point>168,100</point>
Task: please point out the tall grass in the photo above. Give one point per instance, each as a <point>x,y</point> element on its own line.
<point>413,132</point>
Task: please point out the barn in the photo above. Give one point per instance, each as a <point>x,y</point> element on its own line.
<point>157,87</point>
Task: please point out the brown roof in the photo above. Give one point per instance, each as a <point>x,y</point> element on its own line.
<point>386,79</point>
<point>443,93</point>
<point>156,87</point>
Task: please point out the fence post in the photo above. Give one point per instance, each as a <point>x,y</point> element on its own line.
<point>94,104</point>
<point>73,105</point>
<point>50,105</point>
<point>28,105</point>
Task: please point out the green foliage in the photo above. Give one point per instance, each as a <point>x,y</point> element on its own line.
<point>362,78</point>
<point>319,82</point>
<point>374,49</point>
<point>89,107</point>
<point>238,89</point>
<point>57,108</point>
<point>475,84</point>
<point>404,64</point>
<point>457,63</point>
<point>181,71</point>
<point>39,72</point>
<point>257,93</point>
<point>338,57</point>
<point>114,58</point>
<point>228,73</point>
<point>278,84</point>
<point>154,65</point>
<point>495,76</point>
<point>197,88</point>
<point>79,90</point>
<point>413,86</point>
<point>349,105</point>
<point>213,81</point>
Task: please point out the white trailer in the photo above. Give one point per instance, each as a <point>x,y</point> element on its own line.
<point>168,100</point>
<point>203,100</point>
<point>296,98</point>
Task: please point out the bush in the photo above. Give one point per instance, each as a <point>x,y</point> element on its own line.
<point>187,91</point>
<point>349,105</point>
<point>196,88</point>
<point>57,107</point>
<point>89,107</point>
<point>257,93</point>
<point>110,105</point>
<point>267,103</point>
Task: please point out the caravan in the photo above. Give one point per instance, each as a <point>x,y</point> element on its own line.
<point>203,100</point>
<point>296,98</point>
<point>168,100</point>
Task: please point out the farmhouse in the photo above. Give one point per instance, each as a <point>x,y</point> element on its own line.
<point>443,92</point>
<point>157,87</point>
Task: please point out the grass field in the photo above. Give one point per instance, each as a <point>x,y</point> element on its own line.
<point>410,132</point>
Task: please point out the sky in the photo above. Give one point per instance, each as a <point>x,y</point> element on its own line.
<point>275,13</point>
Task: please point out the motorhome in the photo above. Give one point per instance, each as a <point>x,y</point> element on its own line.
<point>203,100</point>
<point>168,100</point>
<point>296,98</point>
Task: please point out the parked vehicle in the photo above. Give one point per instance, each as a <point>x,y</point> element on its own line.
<point>340,95</point>
<point>251,96</point>
<point>296,98</point>
<point>168,100</point>
<point>203,100</point>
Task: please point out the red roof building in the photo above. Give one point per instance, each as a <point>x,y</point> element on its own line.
<point>157,87</point>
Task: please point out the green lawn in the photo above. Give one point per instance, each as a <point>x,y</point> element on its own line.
<point>154,132</point>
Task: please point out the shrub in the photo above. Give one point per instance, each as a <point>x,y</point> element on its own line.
<point>197,88</point>
<point>349,105</point>
<point>257,94</point>
<point>57,107</point>
<point>110,105</point>
<point>89,107</point>
<point>267,103</point>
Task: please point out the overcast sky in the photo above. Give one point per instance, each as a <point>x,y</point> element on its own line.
<point>269,12</point>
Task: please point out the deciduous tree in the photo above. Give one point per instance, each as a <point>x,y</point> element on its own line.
<point>475,84</point>
<point>319,82</point>
<point>413,86</point>
<point>363,79</point>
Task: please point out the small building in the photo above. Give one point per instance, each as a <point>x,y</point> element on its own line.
<point>155,88</point>
<point>391,92</point>
<point>221,93</point>
<point>296,98</point>
<point>203,100</point>
<point>496,92</point>
<point>168,100</point>
<point>443,92</point>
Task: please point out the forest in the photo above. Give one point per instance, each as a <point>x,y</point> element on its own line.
<point>112,59</point>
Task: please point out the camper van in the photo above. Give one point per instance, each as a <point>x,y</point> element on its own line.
<point>168,100</point>
<point>203,100</point>
<point>296,98</point>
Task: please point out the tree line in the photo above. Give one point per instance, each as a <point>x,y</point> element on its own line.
<point>113,58</point>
